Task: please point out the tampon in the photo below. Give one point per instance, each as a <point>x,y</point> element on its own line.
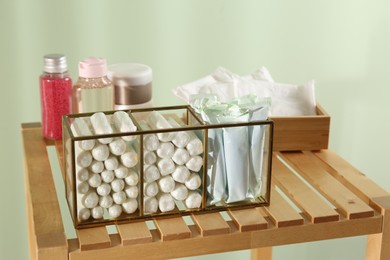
<point>104,189</point>
<point>121,172</point>
<point>117,185</point>
<point>151,173</point>
<point>165,202</point>
<point>107,176</point>
<point>101,126</point>
<point>149,157</point>
<point>193,182</point>
<point>132,178</point>
<point>165,150</point>
<point>119,197</point>
<point>111,163</point>
<point>124,124</point>
<point>105,201</point>
<point>180,156</point>
<point>129,158</point>
<point>130,206</point>
<point>157,121</point>
<point>83,174</point>
<point>166,184</point>
<point>150,205</point>
<point>195,163</point>
<point>131,192</point>
<point>94,180</point>
<point>193,200</point>
<point>80,128</point>
<point>100,152</point>
<point>115,211</point>
<point>181,138</point>
<point>166,166</point>
<point>180,192</point>
<point>151,141</point>
<point>195,145</point>
<point>117,146</point>
<point>84,159</point>
<point>150,189</point>
<point>83,187</point>
<point>97,212</point>
<point>96,166</point>
<point>90,200</point>
<point>84,214</point>
<point>181,174</point>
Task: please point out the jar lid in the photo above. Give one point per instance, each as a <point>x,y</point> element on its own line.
<point>93,68</point>
<point>134,73</point>
<point>55,63</point>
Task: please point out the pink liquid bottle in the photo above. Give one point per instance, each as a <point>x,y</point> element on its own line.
<point>56,95</point>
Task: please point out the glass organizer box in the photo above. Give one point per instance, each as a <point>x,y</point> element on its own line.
<point>123,166</point>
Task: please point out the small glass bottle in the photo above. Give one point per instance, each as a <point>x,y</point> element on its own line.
<point>93,91</point>
<point>56,95</point>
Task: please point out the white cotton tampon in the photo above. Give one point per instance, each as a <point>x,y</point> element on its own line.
<point>94,180</point>
<point>151,141</point>
<point>130,206</point>
<point>111,163</point>
<point>130,157</point>
<point>193,200</point>
<point>181,156</point>
<point>117,146</point>
<point>90,200</point>
<point>181,174</point>
<point>195,145</point>
<point>132,178</point>
<point>131,191</point>
<point>80,128</point>
<point>165,202</point>
<point>105,201</point>
<point>101,126</point>
<point>115,211</point>
<point>151,189</point>
<point>103,189</point>
<point>165,150</point>
<point>117,185</point>
<point>151,173</point>
<point>181,138</point>
<point>83,187</point>
<point>96,166</point>
<point>121,172</point>
<point>84,214</point>
<point>100,152</point>
<point>84,159</point>
<point>166,184</point>
<point>193,182</point>
<point>83,174</point>
<point>150,157</point>
<point>150,205</point>
<point>166,166</point>
<point>195,163</point>
<point>180,192</point>
<point>107,176</point>
<point>119,197</point>
<point>157,121</point>
<point>124,124</point>
<point>97,212</point>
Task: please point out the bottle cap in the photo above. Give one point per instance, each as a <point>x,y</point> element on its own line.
<point>55,63</point>
<point>93,68</point>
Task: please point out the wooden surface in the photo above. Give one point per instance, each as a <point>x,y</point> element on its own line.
<point>317,195</point>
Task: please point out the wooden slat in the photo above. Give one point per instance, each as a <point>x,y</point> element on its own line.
<point>211,224</point>
<point>356,181</point>
<point>346,201</point>
<point>134,233</point>
<point>60,155</point>
<point>263,253</point>
<point>314,208</point>
<point>93,238</point>
<point>281,212</point>
<point>248,219</point>
<point>172,228</point>
<point>45,221</point>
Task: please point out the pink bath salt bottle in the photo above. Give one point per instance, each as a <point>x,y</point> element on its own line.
<point>56,95</point>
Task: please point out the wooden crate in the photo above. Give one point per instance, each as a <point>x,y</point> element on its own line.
<point>302,133</point>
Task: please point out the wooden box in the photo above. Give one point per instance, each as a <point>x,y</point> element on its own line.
<point>302,133</point>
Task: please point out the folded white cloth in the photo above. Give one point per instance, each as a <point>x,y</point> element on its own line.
<point>193,200</point>
<point>130,206</point>
<point>181,174</point>
<point>180,156</point>
<point>166,166</point>
<point>166,184</point>
<point>180,192</point>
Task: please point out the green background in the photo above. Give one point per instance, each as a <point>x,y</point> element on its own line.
<point>342,44</point>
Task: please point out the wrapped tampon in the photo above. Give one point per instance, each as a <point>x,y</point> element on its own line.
<point>117,185</point>
<point>131,191</point>
<point>150,205</point>
<point>132,178</point>
<point>166,166</point>
<point>151,141</point>
<point>83,174</point>
<point>181,138</point>
<point>151,173</point>
<point>195,145</point>
<point>166,184</point>
<point>103,189</point>
<point>106,201</point>
<point>80,128</point>
<point>115,211</point>
<point>157,121</point>
<point>90,200</point>
<point>151,189</point>
<point>111,163</point>
<point>119,197</point>
<point>96,166</point>
<point>83,187</point>
<point>150,157</point>
<point>130,206</point>
<point>97,212</point>
<point>101,126</point>
<point>117,146</point>
<point>193,182</point>
<point>107,176</point>
<point>94,180</point>
<point>181,174</point>
<point>100,152</point>
<point>121,172</point>
<point>84,159</point>
<point>180,192</point>
<point>193,200</point>
<point>165,202</point>
<point>165,150</point>
<point>181,156</point>
<point>130,158</point>
<point>84,214</point>
<point>195,163</point>
<point>123,124</point>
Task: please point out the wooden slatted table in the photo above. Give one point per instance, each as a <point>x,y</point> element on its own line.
<point>315,196</point>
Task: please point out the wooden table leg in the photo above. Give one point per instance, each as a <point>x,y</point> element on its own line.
<point>263,253</point>
<point>378,245</point>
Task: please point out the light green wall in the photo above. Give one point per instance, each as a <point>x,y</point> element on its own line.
<point>343,44</point>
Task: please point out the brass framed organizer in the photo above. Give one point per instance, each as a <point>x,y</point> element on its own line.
<point>256,149</point>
